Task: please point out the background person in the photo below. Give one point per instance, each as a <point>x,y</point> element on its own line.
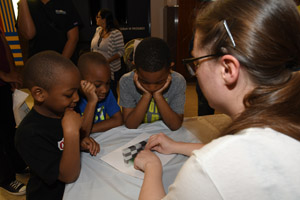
<point>108,41</point>
<point>11,162</point>
<point>49,25</point>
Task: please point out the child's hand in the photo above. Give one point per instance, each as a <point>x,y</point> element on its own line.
<point>138,84</point>
<point>71,123</point>
<point>91,145</point>
<point>161,143</point>
<point>166,85</point>
<point>146,160</point>
<point>89,90</point>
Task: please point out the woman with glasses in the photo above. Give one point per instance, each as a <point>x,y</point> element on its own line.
<point>108,41</point>
<point>246,56</point>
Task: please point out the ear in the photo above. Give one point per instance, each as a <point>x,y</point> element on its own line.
<point>230,69</point>
<point>172,64</point>
<point>39,94</point>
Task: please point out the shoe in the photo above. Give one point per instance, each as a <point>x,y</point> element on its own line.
<point>15,188</point>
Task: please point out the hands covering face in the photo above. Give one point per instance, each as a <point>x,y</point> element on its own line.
<point>159,91</point>
<point>89,90</point>
<point>165,86</point>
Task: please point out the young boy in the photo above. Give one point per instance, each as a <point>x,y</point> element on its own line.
<point>153,91</point>
<point>97,99</point>
<point>48,137</point>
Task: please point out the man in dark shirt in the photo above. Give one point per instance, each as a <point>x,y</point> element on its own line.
<point>49,25</point>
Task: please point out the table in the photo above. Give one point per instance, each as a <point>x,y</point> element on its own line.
<point>99,180</point>
<point>208,127</point>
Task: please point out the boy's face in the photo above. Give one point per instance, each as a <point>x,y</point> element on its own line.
<point>63,94</point>
<point>99,75</point>
<point>153,81</point>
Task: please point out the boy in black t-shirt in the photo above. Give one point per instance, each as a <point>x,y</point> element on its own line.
<point>48,138</point>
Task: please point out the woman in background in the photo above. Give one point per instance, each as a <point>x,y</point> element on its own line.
<point>247,57</point>
<point>108,41</point>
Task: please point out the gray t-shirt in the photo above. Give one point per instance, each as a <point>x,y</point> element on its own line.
<point>174,95</point>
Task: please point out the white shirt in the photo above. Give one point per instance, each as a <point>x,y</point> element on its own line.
<point>256,163</point>
<point>113,44</point>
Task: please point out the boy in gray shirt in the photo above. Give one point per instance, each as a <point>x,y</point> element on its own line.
<point>153,91</point>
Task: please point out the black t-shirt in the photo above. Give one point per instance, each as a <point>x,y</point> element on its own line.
<point>4,64</point>
<point>52,22</point>
<point>39,140</point>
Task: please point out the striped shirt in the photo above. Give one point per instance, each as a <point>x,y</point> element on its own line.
<point>114,44</point>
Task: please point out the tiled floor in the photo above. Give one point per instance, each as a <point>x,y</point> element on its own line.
<point>190,110</point>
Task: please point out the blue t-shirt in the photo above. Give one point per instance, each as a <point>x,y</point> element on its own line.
<point>107,106</point>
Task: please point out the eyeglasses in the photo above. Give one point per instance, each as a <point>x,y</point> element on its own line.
<point>191,64</point>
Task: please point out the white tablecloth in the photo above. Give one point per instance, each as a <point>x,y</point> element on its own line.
<point>99,180</point>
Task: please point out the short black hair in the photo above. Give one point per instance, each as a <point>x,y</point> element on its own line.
<point>152,54</point>
<point>43,69</point>
<point>90,57</point>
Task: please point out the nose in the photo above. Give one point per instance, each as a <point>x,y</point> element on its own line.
<point>103,88</point>
<point>153,87</point>
<point>75,97</point>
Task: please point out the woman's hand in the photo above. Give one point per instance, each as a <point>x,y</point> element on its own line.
<point>161,143</point>
<point>146,160</point>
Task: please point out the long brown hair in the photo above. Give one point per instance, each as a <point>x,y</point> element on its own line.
<point>267,44</point>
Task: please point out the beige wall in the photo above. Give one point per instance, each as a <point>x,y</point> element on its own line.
<point>157,7</point>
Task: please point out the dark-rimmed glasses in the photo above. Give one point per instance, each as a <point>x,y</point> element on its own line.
<point>191,64</point>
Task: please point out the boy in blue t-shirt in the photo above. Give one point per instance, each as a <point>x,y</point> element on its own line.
<point>97,99</point>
